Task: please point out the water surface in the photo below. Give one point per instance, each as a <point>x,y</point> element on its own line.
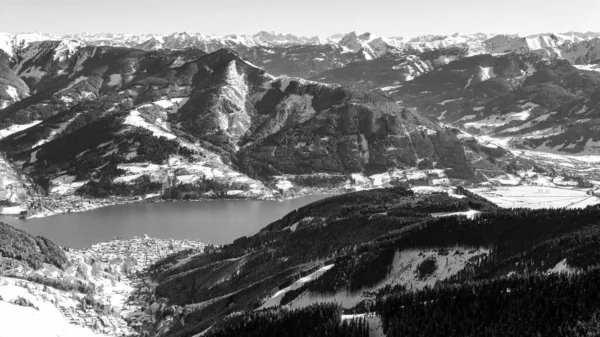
<point>217,221</point>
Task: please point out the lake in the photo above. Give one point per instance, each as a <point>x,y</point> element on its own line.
<point>215,221</point>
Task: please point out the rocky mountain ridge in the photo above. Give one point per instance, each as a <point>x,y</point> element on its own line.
<point>210,43</point>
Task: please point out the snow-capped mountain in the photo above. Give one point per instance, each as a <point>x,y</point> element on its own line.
<point>6,43</point>
<point>367,44</point>
<point>112,39</point>
<point>573,48</point>
<point>272,38</point>
<point>435,42</point>
<point>511,43</point>
<point>9,41</point>
<point>370,46</point>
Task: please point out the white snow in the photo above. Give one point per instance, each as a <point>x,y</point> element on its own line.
<point>276,298</point>
<point>469,82</point>
<point>66,48</point>
<point>134,119</point>
<point>285,82</point>
<point>33,72</point>
<point>45,319</point>
<point>449,100</point>
<point>390,87</point>
<point>404,272</point>
<point>12,210</point>
<point>589,67</point>
<point>115,79</point>
<point>442,115</point>
<point>12,92</point>
<point>16,128</point>
<point>582,110</point>
<point>374,321</point>
<point>471,214</point>
<point>486,73</point>
<point>530,123</point>
<point>65,185</point>
<point>33,157</point>
<point>127,179</point>
<point>561,268</point>
<point>489,124</point>
<point>284,185</point>
<point>533,196</point>
<point>172,105</point>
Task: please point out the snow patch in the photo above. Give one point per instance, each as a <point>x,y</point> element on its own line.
<point>33,157</point>
<point>471,214</point>
<point>449,100</point>
<point>17,128</point>
<point>115,79</point>
<point>275,300</point>
<point>134,119</point>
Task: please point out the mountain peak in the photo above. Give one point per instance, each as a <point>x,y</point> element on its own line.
<point>365,36</point>
<point>349,38</point>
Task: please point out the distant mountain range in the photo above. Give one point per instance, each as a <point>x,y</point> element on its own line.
<point>352,40</point>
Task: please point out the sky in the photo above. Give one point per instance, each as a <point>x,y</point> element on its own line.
<point>300,17</point>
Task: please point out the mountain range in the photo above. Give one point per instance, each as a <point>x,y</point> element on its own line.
<point>98,115</point>
<point>267,119</point>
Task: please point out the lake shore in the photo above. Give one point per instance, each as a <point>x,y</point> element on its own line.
<point>41,207</point>
<point>213,221</point>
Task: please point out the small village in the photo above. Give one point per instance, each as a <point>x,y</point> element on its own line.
<point>117,300</point>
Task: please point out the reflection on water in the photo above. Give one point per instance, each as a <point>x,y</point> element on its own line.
<point>218,221</point>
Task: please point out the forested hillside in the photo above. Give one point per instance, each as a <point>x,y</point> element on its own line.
<point>18,245</point>
<point>376,251</point>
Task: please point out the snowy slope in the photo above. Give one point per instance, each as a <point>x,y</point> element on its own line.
<point>6,43</point>
<point>402,272</point>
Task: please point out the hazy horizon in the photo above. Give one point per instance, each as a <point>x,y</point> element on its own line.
<point>311,18</point>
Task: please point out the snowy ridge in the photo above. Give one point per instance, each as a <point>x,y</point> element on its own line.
<point>572,46</point>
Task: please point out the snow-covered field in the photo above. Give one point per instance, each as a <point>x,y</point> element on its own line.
<point>42,318</point>
<point>533,196</point>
